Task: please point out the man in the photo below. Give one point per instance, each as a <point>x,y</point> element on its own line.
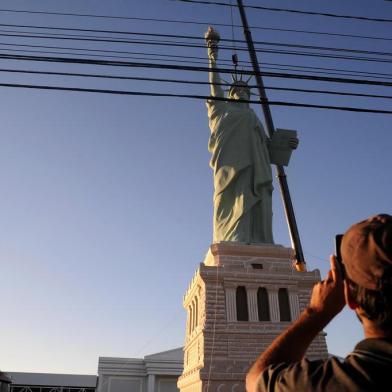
<point>366,288</point>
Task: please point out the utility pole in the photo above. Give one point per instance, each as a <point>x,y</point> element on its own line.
<point>300,264</point>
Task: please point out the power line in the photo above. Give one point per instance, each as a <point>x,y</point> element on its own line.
<point>328,56</point>
<point>101,56</point>
<point>182,81</point>
<point>191,37</point>
<point>114,51</point>
<point>204,97</point>
<point>178,58</point>
<point>318,33</point>
<point>67,14</point>
<point>281,68</point>
<point>105,39</point>
<point>187,68</point>
<point>176,44</point>
<point>328,92</point>
<point>340,71</point>
<point>299,67</point>
<point>178,21</point>
<point>107,55</point>
<point>257,7</point>
<point>324,48</point>
<point>111,37</point>
<point>314,71</point>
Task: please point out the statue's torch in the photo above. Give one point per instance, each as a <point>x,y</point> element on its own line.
<point>212,38</point>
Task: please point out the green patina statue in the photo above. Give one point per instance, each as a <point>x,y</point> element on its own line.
<point>240,161</point>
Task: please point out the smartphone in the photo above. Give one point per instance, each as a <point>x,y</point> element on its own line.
<point>338,254</point>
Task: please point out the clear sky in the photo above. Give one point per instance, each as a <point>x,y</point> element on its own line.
<point>106,201</point>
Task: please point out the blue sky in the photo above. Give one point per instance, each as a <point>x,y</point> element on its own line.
<point>106,201</point>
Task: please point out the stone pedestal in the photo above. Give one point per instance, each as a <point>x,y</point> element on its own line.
<point>239,300</point>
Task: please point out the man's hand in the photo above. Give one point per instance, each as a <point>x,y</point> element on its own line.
<point>327,301</point>
<point>327,298</point>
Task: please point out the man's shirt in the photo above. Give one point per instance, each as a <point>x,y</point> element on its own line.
<point>367,368</point>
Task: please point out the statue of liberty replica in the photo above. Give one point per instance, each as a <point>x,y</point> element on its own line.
<point>246,290</point>
<point>240,160</point>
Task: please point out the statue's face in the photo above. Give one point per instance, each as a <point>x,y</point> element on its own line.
<point>240,92</point>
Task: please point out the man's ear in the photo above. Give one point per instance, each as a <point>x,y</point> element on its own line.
<point>350,301</point>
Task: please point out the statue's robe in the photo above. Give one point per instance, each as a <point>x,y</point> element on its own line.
<point>242,174</point>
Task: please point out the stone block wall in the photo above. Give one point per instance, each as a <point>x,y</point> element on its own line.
<point>218,348</point>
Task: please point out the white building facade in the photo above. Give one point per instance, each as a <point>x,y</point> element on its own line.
<point>154,373</point>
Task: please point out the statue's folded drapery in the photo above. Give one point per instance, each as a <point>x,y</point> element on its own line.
<point>242,174</point>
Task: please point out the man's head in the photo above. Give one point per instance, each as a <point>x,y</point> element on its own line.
<point>239,90</point>
<point>367,252</point>
<point>367,257</point>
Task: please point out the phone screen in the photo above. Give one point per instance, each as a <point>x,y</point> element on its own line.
<point>338,254</point>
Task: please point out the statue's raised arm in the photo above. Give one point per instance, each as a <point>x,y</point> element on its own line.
<point>212,40</point>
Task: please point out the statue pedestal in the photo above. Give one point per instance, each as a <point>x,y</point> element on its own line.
<point>240,298</point>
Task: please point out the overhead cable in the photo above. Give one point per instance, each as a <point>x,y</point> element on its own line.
<point>187,68</point>
<point>204,97</point>
<point>108,56</point>
<point>87,50</point>
<point>178,21</point>
<point>177,44</point>
<point>191,59</point>
<point>187,37</point>
<point>257,7</point>
<point>135,57</point>
<point>183,81</point>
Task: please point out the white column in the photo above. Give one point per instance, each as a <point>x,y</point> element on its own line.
<point>231,312</point>
<point>252,304</point>
<point>274,304</point>
<point>294,305</point>
<point>151,383</point>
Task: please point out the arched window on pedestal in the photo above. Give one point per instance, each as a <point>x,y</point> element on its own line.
<point>242,304</point>
<point>284,305</point>
<point>196,321</point>
<point>263,304</point>
<point>190,320</point>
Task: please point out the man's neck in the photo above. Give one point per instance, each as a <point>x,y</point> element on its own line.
<point>371,330</point>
